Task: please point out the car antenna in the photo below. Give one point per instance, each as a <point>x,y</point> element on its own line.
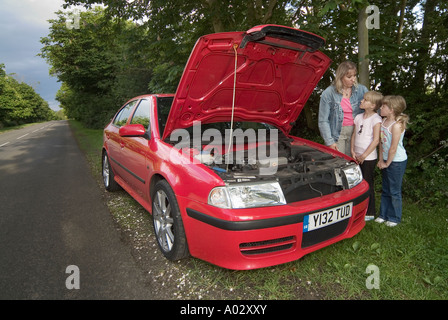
<point>235,46</point>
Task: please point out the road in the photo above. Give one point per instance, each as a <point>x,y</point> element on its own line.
<point>52,216</point>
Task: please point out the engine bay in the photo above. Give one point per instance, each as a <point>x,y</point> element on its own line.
<point>302,171</point>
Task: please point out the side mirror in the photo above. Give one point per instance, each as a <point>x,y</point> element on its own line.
<point>132,130</point>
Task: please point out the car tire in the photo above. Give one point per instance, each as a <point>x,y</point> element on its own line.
<point>167,221</point>
<point>108,175</point>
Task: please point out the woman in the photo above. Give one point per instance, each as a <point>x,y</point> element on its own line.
<point>339,105</point>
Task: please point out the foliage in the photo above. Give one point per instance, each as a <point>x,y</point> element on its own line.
<point>19,103</point>
<point>173,27</point>
<point>142,46</point>
<point>101,65</point>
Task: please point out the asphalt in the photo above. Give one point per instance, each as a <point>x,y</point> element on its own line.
<point>57,238</point>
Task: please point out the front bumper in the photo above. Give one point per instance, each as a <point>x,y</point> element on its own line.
<point>243,239</point>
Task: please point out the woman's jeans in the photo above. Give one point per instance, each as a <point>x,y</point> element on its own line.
<point>345,138</point>
<point>391,200</point>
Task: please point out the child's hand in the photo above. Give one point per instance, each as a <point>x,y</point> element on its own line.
<point>382,164</point>
<point>360,159</point>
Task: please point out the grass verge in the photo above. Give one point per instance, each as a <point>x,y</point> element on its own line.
<point>407,262</point>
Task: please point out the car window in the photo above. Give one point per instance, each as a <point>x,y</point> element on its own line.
<point>163,109</point>
<point>141,115</point>
<point>123,115</point>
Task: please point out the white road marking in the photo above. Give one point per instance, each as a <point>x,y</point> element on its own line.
<point>22,136</point>
<point>46,126</point>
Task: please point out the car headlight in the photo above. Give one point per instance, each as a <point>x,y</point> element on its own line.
<point>353,175</point>
<point>247,195</point>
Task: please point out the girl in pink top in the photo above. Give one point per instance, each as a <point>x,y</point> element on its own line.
<point>365,139</point>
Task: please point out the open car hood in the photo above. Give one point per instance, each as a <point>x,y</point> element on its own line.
<point>277,68</point>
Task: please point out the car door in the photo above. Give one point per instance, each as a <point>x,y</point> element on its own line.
<point>135,148</point>
<point>115,142</point>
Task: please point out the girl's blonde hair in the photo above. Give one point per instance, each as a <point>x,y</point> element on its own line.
<point>341,71</point>
<point>398,105</point>
<point>374,97</point>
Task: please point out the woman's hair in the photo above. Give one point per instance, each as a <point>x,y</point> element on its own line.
<point>398,105</point>
<point>341,71</point>
<point>375,97</point>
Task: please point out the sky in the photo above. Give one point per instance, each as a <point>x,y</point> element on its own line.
<point>22,24</point>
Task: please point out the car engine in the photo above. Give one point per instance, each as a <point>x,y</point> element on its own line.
<point>302,171</point>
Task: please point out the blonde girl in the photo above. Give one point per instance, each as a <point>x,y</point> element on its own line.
<point>365,139</point>
<point>392,158</point>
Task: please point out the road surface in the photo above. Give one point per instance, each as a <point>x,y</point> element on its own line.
<point>57,237</point>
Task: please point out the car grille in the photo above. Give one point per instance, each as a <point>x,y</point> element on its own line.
<point>323,234</point>
<point>267,246</point>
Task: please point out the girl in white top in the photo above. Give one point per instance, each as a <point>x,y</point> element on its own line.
<point>366,135</point>
<point>365,139</point>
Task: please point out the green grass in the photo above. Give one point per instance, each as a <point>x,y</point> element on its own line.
<point>412,258</point>
<point>91,142</point>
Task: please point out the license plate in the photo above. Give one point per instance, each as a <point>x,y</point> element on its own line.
<point>328,217</point>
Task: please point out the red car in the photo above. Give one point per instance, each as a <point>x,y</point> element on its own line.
<point>215,165</point>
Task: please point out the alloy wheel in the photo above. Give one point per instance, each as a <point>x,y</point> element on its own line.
<point>163,221</point>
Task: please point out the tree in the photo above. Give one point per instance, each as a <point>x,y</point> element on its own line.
<point>19,103</point>
<point>101,65</point>
<point>173,27</point>
<point>357,7</point>
<point>363,47</point>
<point>9,99</point>
<point>423,55</point>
